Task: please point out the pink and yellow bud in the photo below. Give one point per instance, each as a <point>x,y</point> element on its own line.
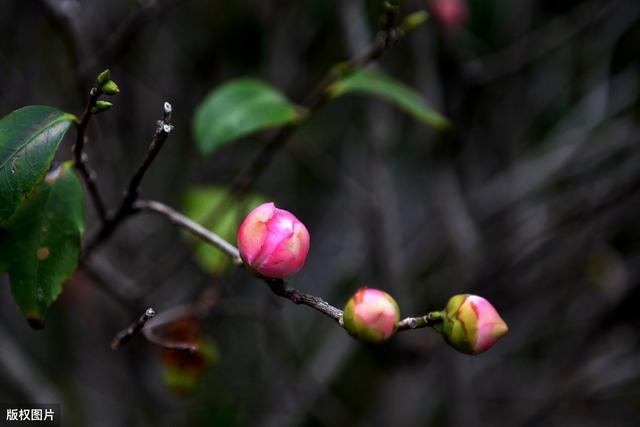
<point>470,324</point>
<point>273,242</point>
<point>371,315</point>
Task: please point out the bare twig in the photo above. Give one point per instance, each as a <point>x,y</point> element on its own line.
<point>126,207</point>
<point>418,322</point>
<point>192,227</point>
<point>80,158</point>
<point>282,289</point>
<point>125,335</point>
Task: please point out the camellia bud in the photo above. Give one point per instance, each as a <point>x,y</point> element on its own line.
<point>273,242</point>
<point>470,324</point>
<point>371,315</point>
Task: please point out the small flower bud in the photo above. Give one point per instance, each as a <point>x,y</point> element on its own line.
<point>470,324</point>
<point>371,315</point>
<point>110,88</point>
<point>103,77</point>
<point>273,242</point>
<point>101,106</point>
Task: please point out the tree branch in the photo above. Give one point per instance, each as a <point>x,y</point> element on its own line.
<point>80,159</point>
<point>282,289</point>
<point>409,323</point>
<point>131,193</point>
<point>192,227</point>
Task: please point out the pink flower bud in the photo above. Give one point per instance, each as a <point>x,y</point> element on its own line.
<point>470,324</point>
<point>273,242</point>
<point>371,315</point>
<point>450,13</point>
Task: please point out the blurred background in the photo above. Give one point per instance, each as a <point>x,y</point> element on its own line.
<point>531,201</point>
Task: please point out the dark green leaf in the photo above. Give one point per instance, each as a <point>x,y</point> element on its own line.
<point>40,244</point>
<point>237,109</point>
<point>375,83</point>
<point>209,207</point>
<point>29,138</point>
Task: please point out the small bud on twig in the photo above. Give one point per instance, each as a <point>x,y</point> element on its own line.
<point>371,315</point>
<point>110,88</point>
<point>101,106</point>
<point>103,77</point>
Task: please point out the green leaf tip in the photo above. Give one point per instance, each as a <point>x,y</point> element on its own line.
<point>103,77</point>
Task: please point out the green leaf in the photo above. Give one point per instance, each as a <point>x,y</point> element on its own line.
<point>376,83</point>
<point>29,139</point>
<point>209,206</point>
<point>40,244</point>
<point>237,109</point>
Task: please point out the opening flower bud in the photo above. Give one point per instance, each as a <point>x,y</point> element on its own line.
<point>273,242</point>
<point>470,324</point>
<point>371,315</point>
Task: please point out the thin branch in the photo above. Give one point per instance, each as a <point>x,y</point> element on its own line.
<point>131,193</point>
<point>192,227</point>
<point>124,336</point>
<point>80,158</point>
<point>410,323</point>
<point>282,289</point>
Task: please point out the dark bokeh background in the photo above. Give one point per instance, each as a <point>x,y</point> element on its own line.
<point>531,202</point>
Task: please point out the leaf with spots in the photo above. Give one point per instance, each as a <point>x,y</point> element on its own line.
<point>40,244</point>
<point>237,109</point>
<point>29,139</point>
